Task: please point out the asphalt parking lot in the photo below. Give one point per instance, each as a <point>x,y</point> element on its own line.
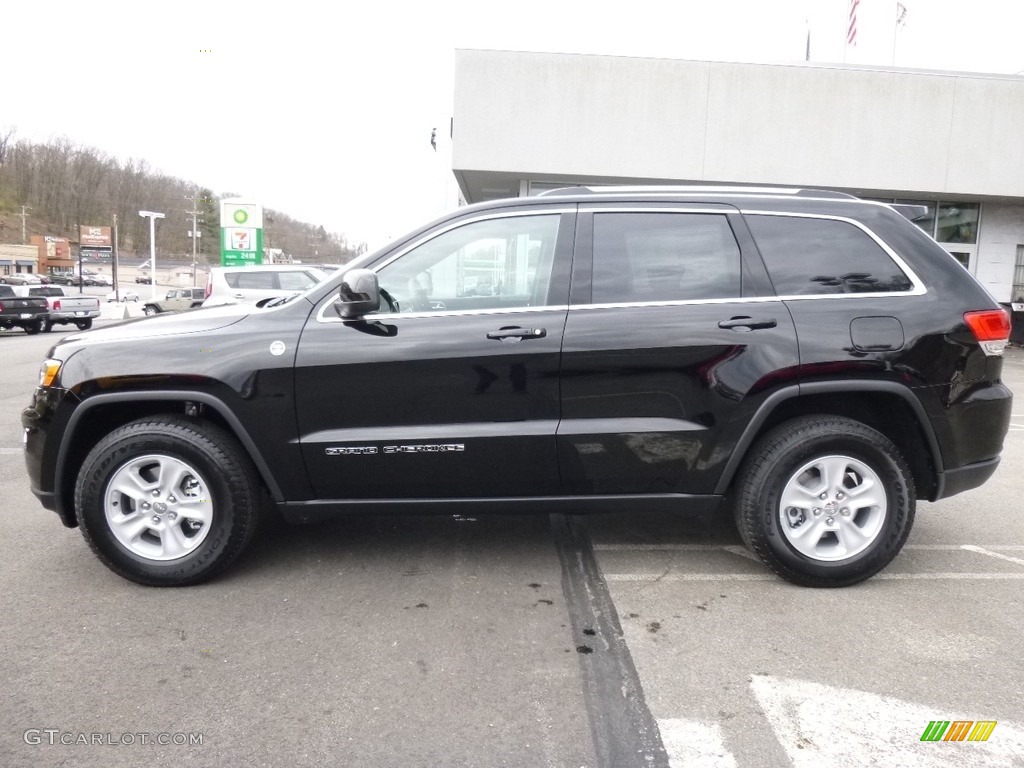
<point>510,641</point>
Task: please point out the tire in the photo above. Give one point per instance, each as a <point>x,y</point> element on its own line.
<point>34,328</point>
<point>164,540</point>
<point>47,326</point>
<point>84,325</point>
<point>824,542</point>
<point>149,310</point>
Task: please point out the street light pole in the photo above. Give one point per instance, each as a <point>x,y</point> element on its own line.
<point>152,216</point>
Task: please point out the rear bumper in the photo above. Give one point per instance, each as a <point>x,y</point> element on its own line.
<point>954,481</point>
<point>975,426</point>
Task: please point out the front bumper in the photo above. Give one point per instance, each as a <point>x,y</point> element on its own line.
<point>44,422</point>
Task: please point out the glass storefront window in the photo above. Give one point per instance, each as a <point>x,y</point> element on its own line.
<point>963,258</point>
<point>958,223</point>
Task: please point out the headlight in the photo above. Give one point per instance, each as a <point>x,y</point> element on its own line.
<point>48,372</point>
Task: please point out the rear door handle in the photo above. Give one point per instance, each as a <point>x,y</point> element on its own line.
<point>747,323</point>
<point>517,334</point>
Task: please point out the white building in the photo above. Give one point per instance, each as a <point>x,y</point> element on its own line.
<point>526,122</point>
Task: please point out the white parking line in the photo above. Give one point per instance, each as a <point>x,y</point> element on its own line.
<point>948,576</point>
<point>990,553</point>
<point>824,725</point>
<point>668,547</point>
<point>691,744</point>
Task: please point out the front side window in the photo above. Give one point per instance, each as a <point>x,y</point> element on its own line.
<point>491,264</point>
<point>808,256</point>
<point>655,257</point>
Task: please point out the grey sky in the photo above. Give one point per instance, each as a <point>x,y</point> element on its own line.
<point>325,112</point>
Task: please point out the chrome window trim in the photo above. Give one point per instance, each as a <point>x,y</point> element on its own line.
<point>918,288</point>
<point>321,314</point>
<point>679,303</point>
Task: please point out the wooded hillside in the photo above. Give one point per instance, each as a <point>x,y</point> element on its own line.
<point>66,185</point>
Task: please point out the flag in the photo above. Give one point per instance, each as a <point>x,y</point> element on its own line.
<point>901,15</point>
<point>851,29</point>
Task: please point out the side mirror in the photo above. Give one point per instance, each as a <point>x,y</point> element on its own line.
<point>359,294</point>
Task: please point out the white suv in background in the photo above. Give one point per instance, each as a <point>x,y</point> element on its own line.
<point>233,285</point>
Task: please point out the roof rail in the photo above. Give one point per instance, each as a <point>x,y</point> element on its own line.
<point>667,189</point>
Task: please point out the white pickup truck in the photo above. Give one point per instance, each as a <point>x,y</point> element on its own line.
<point>64,307</point>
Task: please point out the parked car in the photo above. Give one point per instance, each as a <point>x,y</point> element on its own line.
<point>21,278</point>
<point>65,278</point>
<point>99,279</point>
<point>231,285</point>
<point>63,308</point>
<point>175,300</point>
<point>126,295</point>
<point>144,279</point>
<point>808,363</point>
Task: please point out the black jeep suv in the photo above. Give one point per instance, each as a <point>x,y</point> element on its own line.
<point>808,361</point>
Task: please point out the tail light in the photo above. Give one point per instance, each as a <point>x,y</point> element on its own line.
<point>56,305</point>
<point>209,288</point>
<point>991,327</point>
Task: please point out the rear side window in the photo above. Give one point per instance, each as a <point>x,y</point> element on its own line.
<point>641,257</point>
<point>258,280</point>
<point>809,256</point>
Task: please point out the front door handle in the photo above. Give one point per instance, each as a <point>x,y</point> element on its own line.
<point>747,323</point>
<point>517,334</point>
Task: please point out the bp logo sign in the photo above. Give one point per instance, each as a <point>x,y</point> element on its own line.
<point>241,232</point>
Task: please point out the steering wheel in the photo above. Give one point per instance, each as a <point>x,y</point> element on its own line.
<point>392,302</point>
<point>419,297</point>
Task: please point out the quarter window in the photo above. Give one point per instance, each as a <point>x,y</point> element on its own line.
<point>654,257</point>
<point>807,256</point>
<point>295,281</point>
<point>492,264</point>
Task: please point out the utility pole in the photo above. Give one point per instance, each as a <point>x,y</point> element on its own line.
<point>194,233</point>
<point>113,242</point>
<point>24,238</point>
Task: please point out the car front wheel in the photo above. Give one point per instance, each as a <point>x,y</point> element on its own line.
<point>167,501</point>
<point>149,309</point>
<point>825,501</point>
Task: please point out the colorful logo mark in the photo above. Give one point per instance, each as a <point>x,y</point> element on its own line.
<point>958,730</point>
<point>240,216</point>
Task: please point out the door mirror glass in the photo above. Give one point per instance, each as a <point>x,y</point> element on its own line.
<point>359,294</point>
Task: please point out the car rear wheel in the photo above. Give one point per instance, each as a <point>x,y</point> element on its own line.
<point>84,325</point>
<point>34,328</point>
<point>167,501</point>
<point>825,501</point>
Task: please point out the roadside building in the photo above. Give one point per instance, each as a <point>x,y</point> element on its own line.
<point>17,259</point>
<point>53,254</point>
<point>528,122</point>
